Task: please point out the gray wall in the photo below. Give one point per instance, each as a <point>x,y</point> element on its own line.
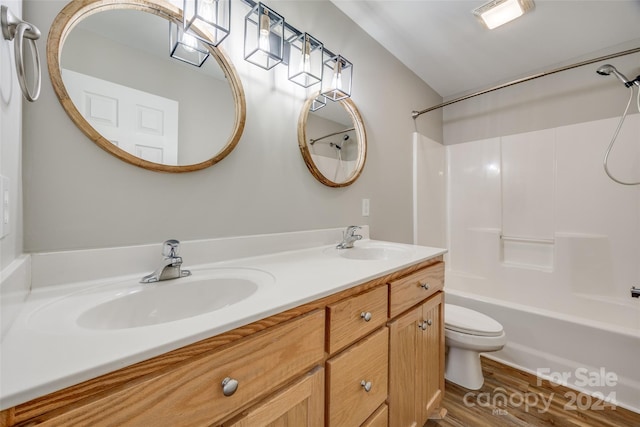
<point>78,196</point>
<point>573,96</point>
<point>10,143</point>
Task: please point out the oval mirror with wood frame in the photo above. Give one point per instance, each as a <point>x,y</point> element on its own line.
<point>111,70</point>
<point>333,141</point>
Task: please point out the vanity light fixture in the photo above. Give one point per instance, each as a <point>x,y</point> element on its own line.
<point>263,37</point>
<point>336,82</point>
<point>211,17</point>
<point>266,45</point>
<point>499,12</point>
<point>305,60</point>
<point>185,46</point>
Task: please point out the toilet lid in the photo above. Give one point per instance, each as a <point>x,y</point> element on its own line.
<point>466,321</point>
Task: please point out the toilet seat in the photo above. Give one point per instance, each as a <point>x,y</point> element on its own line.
<point>466,321</point>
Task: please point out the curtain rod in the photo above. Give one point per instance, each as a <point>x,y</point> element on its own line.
<point>313,141</point>
<point>416,114</point>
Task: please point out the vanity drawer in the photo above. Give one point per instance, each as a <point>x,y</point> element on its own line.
<point>348,402</point>
<point>347,319</point>
<point>380,418</point>
<point>414,288</point>
<point>192,393</point>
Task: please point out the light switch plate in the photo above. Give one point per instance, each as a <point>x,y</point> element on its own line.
<point>365,207</point>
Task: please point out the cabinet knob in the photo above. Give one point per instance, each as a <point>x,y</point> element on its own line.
<point>366,385</point>
<point>229,386</point>
<point>425,286</point>
<point>424,324</point>
<point>366,316</point>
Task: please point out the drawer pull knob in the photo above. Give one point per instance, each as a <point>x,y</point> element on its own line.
<point>229,386</point>
<point>429,322</point>
<point>366,316</point>
<point>424,286</point>
<point>366,385</point>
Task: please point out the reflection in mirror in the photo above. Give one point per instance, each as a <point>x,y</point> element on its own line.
<point>332,141</point>
<point>134,100</point>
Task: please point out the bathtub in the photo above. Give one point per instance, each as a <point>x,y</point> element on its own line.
<point>595,358</point>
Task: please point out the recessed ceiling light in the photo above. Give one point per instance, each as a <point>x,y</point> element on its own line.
<point>499,12</point>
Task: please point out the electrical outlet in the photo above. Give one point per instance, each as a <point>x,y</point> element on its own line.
<point>365,207</point>
<point>4,206</point>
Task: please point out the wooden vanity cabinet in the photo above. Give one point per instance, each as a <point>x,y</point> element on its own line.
<point>369,356</point>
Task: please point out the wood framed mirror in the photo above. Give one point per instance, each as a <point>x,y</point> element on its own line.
<point>333,141</point>
<point>111,70</point>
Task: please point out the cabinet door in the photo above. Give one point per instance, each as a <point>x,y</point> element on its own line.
<point>416,364</point>
<point>432,358</point>
<point>404,371</point>
<point>299,405</point>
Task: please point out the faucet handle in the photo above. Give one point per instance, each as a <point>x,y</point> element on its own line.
<point>170,248</point>
<point>351,229</point>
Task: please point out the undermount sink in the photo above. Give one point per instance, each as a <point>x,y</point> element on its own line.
<point>372,251</point>
<point>131,305</point>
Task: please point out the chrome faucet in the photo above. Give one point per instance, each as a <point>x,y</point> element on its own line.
<point>171,264</point>
<point>348,237</point>
<point>635,292</point>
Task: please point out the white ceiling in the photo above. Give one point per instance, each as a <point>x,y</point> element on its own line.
<point>444,44</point>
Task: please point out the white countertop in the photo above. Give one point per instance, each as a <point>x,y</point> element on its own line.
<point>39,360</point>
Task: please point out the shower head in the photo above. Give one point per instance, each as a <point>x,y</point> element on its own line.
<point>607,69</point>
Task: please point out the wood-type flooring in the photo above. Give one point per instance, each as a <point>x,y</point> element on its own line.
<point>512,398</point>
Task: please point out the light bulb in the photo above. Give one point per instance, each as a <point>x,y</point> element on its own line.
<point>206,10</point>
<point>336,80</point>
<point>265,24</point>
<point>189,42</point>
<point>305,64</point>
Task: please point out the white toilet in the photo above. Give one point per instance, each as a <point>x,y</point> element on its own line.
<point>467,334</point>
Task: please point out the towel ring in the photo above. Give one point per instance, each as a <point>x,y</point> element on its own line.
<point>15,29</point>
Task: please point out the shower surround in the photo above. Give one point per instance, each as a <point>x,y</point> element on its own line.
<point>537,231</point>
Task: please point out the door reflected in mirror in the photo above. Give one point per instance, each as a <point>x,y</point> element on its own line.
<point>132,98</point>
<point>332,141</point>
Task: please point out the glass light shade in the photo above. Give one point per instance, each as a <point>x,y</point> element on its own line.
<point>336,79</point>
<point>208,20</point>
<point>498,12</point>
<point>318,102</point>
<point>185,46</point>
<point>263,37</point>
<point>305,60</point>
